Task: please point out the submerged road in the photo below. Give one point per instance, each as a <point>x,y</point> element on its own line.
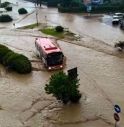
<point>23,101</point>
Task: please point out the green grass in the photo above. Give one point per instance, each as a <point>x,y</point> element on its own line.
<point>52,31</point>
<point>32,26</point>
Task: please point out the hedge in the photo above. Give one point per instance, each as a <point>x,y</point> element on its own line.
<point>5,18</point>
<point>15,61</point>
<point>5,4</point>
<point>71,9</point>
<point>9,57</point>
<point>22,11</point>
<point>107,8</point>
<point>53,3</point>
<point>8,8</point>
<point>59,29</point>
<point>63,88</point>
<point>104,8</point>
<point>21,64</point>
<point>3,51</point>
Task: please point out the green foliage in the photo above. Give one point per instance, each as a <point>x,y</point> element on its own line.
<point>15,61</point>
<point>52,3</point>
<point>5,18</point>
<point>78,6</point>
<point>32,26</point>
<point>66,3</point>
<point>3,46</point>
<point>71,6</point>
<point>9,57</point>
<point>63,88</point>
<point>53,32</point>
<point>76,9</point>
<point>8,8</point>
<point>107,8</point>
<point>59,29</point>
<point>3,51</point>
<point>22,11</point>
<point>5,4</point>
<point>21,64</point>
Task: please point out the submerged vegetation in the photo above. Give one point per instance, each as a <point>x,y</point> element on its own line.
<point>22,11</point>
<point>15,61</point>
<point>8,8</point>
<point>32,26</point>
<point>63,88</point>
<point>52,31</point>
<point>60,32</point>
<point>5,18</point>
<point>5,4</point>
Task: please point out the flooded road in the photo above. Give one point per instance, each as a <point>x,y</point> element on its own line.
<point>94,26</point>
<point>23,101</point>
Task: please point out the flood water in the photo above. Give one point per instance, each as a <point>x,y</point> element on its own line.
<point>23,101</point>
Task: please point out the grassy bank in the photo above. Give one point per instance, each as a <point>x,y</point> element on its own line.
<point>52,32</point>
<point>32,26</point>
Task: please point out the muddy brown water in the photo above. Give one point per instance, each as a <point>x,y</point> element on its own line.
<point>23,101</point>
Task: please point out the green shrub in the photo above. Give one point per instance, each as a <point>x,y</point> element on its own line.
<point>5,4</point>
<point>14,61</point>
<point>9,57</point>
<point>22,11</point>
<point>59,29</point>
<point>3,46</point>
<point>107,8</point>
<point>8,8</point>
<point>21,64</point>
<point>71,9</point>
<point>75,96</point>
<point>63,88</point>
<point>5,18</point>
<point>3,51</point>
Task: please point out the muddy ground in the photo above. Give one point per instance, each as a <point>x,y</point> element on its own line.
<point>23,101</point>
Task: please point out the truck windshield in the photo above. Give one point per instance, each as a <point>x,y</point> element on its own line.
<point>55,59</point>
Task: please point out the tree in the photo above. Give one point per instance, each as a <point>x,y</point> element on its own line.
<point>65,3</point>
<point>59,29</point>
<point>38,2</point>
<point>63,88</point>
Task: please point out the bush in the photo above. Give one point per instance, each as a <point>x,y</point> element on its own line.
<point>107,8</point>
<point>3,51</point>
<point>8,8</point>
<point>21,64</point>
<point>5,4</point>
<point>3,46</point>
<point>71,9</point>
<point>59,29</point>
<point>22,11</point>
<point>9,57</point>
<point>14,61</point>
<point>5,18</point>
<point>63,88</point>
